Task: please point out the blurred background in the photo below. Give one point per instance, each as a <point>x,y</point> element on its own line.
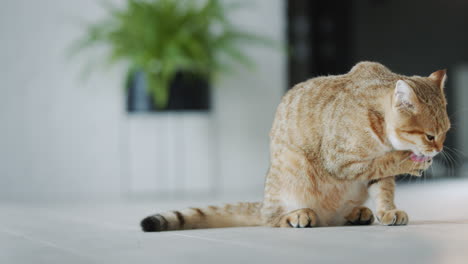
<point>119,133</point>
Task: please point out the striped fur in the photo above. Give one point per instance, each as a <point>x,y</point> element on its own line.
<point>240,214</point>
<point>333,139</point>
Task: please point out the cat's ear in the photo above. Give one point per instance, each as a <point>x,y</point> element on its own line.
<point>439,77</point>
<point>404,97</point>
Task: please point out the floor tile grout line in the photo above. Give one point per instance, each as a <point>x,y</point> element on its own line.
<point>46,243</point>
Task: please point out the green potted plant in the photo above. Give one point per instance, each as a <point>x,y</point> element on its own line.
<point>173,48</point>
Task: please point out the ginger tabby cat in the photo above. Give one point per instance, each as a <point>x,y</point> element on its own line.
<point>334,140</point>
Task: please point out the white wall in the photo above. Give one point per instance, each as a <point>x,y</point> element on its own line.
<point>60,136</point>
<point>246,102</point>
<point>169,153</point>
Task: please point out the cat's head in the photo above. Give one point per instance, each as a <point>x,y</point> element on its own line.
<point>419,120</point>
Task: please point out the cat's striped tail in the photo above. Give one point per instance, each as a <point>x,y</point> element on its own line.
<point>229,215</point>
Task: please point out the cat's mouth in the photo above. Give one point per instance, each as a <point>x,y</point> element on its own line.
<point>419,158</point>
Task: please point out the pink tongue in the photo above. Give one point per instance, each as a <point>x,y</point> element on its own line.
<point>417,158</point>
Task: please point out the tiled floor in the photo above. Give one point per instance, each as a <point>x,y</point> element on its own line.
<point>109,233</point>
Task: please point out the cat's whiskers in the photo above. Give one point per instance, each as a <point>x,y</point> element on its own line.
<point>458,153</point>
<point>446,161</point>
<point>432,167</point>
<point>450,163</point>
<point>455,162</point>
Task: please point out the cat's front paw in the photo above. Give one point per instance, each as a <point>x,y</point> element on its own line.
<point>360,216</point>
<point>393,217</point>
<point>413,167</point>
<point>305,217</point>
<point>417,168</point>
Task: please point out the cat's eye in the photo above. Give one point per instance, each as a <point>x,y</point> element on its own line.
<point>429,137</point>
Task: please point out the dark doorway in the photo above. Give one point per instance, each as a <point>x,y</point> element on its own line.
<point>320,38</point>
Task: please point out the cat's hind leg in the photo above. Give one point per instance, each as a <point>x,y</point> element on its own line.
<point>360,215</point>
<point>301,218</point>
<point>291,190</point>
